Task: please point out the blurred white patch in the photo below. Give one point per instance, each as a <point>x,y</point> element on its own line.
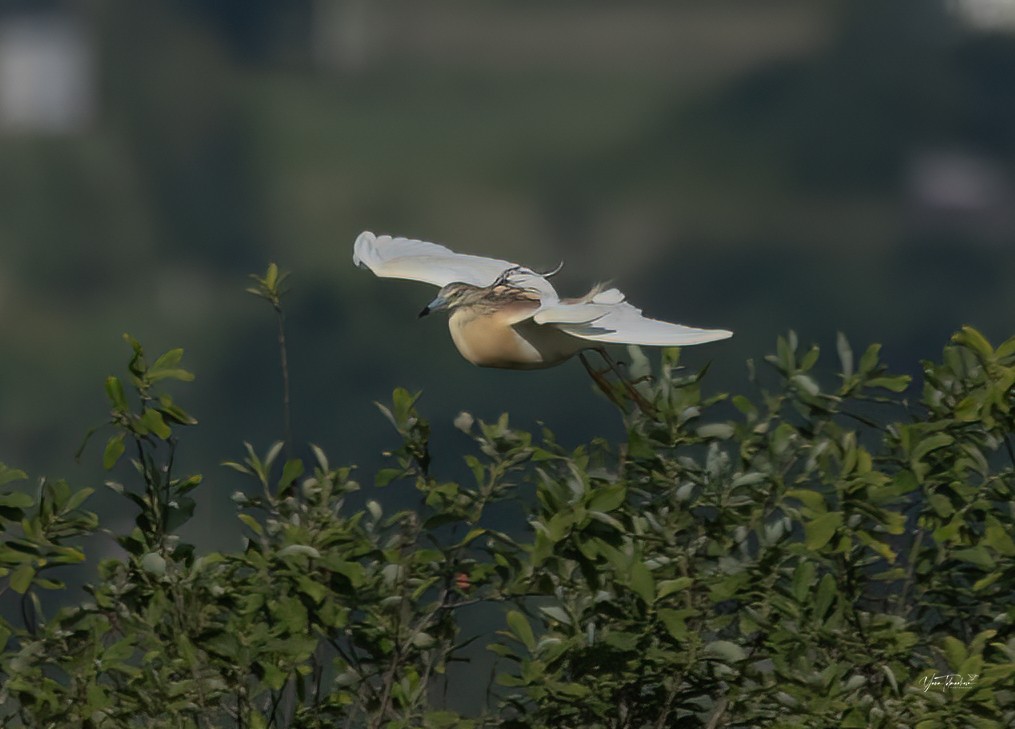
<point>962,191</point>
<point>464,421</point>
<point>341,34</point>
<point>958,181</point>
<point>47,79</point>
<point>987,14</point>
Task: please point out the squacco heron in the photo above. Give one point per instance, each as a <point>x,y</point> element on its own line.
<point>510,316</point>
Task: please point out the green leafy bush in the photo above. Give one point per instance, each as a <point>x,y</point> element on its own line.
<point>806,555</point>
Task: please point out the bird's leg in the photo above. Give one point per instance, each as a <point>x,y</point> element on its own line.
<point>601,382</point>
<point>644,405</point>
<point>609,389</point>
<point>644,378</point>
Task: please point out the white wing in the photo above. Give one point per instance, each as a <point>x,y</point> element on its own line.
<point>582,311</point>
<point>435,264</point>
<point>622,323</point>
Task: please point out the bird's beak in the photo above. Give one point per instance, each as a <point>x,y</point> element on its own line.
<point>435,305</point>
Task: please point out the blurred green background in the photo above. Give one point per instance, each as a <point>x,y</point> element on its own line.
<point>819,166</point>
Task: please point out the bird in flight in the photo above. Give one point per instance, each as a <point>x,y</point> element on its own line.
<point>505,315</point>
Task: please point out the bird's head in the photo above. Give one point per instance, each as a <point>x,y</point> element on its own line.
<point>452,296</point>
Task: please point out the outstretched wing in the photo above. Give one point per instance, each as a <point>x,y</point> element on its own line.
<point>418,260</point>
<point>608,318</point>
<point>435,264</point>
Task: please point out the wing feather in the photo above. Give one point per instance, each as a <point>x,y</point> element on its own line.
<point>565,313</point>
<point>625,324</point>
<point>418,260</point>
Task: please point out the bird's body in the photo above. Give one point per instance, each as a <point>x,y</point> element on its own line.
<point>509,316</point>
<point>509,338</point>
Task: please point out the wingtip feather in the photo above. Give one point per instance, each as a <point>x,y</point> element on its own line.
<point>363,248</point>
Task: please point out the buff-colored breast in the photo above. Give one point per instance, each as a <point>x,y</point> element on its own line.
<point>508,339</point>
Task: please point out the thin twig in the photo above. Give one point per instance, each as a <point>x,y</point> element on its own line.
<point>284,359</point>
<point>914,553</point>
<point>168,481</point>
<point>720,709</point>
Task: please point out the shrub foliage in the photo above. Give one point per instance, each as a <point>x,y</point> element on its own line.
<point>804,555</point>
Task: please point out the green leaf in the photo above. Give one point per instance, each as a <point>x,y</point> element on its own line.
<point>607,498</point>
<point>77,498</point>
<point>16,500</point>
<point>319,455</point>
<point>313,589</point>
<point>554,612</point>
<point>121,650</point>
<point>7,475</point>
<point>894,383</point>
<point>785,359</point>
<point>387,475</point>
<point>246,470</point>
<point>173,412</point>
<point>423,640</point>
<point>622,640</point>
<point>813,500</point>
<point>114,389</point>
<point>719,431</point>
<point>986,581</point>
<point>521,629</point>
<point>168,360</point>
<point>803,580</point>
<point>65,555</point>
<point>845,354</point>
<point>291,471</point>
<point>819,531</point>
<point>154,564</point>
<point>271,276</point>
<point>810,359</point>
<point>171,374</point>
<point>954,651</point>
<point>941,504</point>
<point>806,384</point>
<point>472,535</point>
<point>353,571</point>
<point>978,556</point>
<point>972,339</point>
<point>302,549</point>
<point>869,359</point>
<point>745,406</point>
<point>402,402</point>
<point>180,512</point>
<point>890,675</point>
<point>251,523</point>
<point>269,457</point>
<point>446,720</point>
<point>668,587</point>
<point>1006,350</point>
<point>749,479</point>
<point>725,651</point>
<point>21,579</point>
<point>152,419</point>
<point>114,449</point>
<point>137,363</point>
<point>674,620</point>
<point>930,443</point>
<point>824,596</point>
<point>642,582</point>
<point>998,538</point>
